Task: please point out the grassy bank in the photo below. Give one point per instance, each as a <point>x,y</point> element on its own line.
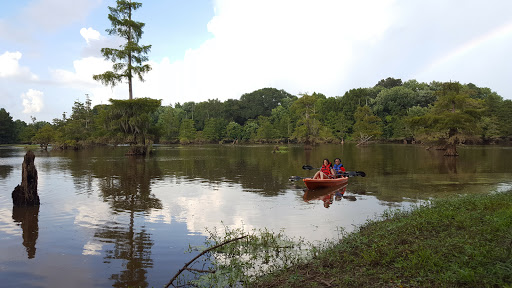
<point>459,242</point>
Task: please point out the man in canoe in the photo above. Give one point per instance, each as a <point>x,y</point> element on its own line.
<point>326,171</point>
<point>338,167</point>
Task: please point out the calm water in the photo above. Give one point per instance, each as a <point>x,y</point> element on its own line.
<point>110,220</point>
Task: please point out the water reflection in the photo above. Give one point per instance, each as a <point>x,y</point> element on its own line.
<point>133,248</point>
<point>448,165</point>
<point>27,218</point>
<point>257,169</point>
<point>5,170</point>
<point>126,186</point>
<point>327,195</point>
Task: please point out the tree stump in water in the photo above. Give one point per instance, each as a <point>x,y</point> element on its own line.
<point>25,194</point>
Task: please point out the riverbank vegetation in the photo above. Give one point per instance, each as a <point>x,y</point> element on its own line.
<point>457,242</point>
<point>438,114</point>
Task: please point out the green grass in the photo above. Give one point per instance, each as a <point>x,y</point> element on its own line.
<point>458,242</point>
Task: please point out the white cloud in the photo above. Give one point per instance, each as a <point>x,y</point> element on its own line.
<point>10,67</point>
<point>301,46</point>
<point>81,79</point>
<point>84,69</point>
<point>32,101</point>
<point>291,45</point>
<point>89,34</point>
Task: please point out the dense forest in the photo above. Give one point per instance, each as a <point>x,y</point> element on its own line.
<point>436,113</point>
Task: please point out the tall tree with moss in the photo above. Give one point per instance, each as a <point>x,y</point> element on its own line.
<point>129,58</point>
<point>367,125</point>
<point>45,136</point>
<point>305,111</point>
<point>129,121</point>
<point>453,119</point>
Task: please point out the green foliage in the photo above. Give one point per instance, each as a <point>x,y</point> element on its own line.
<point>261,102</point>
<point>504,115</point>
<point>436,112</point>
<point>234,131</point>
<point>232,111</point>
<point>7,128</point>
<point>394,101</point>
<point>282,121</point>
<point>131,52</point>
<point>75,132</point>
<point>367,124</point>
<point>305,110</point>
<point>131,118</point>
<point>207,110</point>
<point>389,83</point>
<point>453,118</point>
<point>266,130</point>
<point>490,129</point>
<point>19,129</point>
<point>250,130</point>
<point>169,123</point>
<point>45,136</point>
<point>214,130</point>
<point>187,131</point>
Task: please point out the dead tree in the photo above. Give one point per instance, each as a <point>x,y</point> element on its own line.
<point>25,194</point>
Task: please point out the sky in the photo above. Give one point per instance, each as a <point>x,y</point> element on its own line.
<point>221,49</point>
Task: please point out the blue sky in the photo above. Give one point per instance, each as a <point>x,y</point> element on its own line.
<point>49,49</point>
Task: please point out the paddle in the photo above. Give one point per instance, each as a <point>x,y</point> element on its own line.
<point>345,174</point>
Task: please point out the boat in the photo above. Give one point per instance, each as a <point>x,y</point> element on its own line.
<point>313,184</point>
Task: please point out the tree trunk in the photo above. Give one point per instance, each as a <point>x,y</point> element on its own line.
<point>451,150</point>
<point>130,88</point>
<point>130,56</point>
<point>25,194</point>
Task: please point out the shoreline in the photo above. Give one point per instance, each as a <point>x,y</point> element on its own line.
<point>461,241</point>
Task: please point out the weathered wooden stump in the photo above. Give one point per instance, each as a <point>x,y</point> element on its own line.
<point>25,194</point>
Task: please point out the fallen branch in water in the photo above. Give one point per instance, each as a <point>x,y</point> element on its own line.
<point>185,267</point>
<point>199,270</point>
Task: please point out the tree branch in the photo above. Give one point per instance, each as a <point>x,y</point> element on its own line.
<point>201,254</point>
<point>199,270</point>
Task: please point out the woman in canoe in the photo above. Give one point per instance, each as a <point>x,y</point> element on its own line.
<point>326,171</point>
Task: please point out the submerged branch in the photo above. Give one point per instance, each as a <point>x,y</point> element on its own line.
<point>185,267</point>
<point>200,271</point>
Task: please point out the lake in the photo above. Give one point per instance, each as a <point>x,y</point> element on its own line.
<point>110,220</point>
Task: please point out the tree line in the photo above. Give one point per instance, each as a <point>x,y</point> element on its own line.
<point>392,110</point>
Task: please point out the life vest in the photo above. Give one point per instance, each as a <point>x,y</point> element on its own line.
<point>326,169</point>
<point>339,168</point>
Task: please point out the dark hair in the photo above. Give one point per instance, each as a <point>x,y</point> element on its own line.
<point>337,159</point>
<point>329,162</point>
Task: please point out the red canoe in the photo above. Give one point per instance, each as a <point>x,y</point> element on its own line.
<point>313,184</point>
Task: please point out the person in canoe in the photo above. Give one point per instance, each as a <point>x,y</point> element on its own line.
<point>326,171</point>
<point>338,167</point>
